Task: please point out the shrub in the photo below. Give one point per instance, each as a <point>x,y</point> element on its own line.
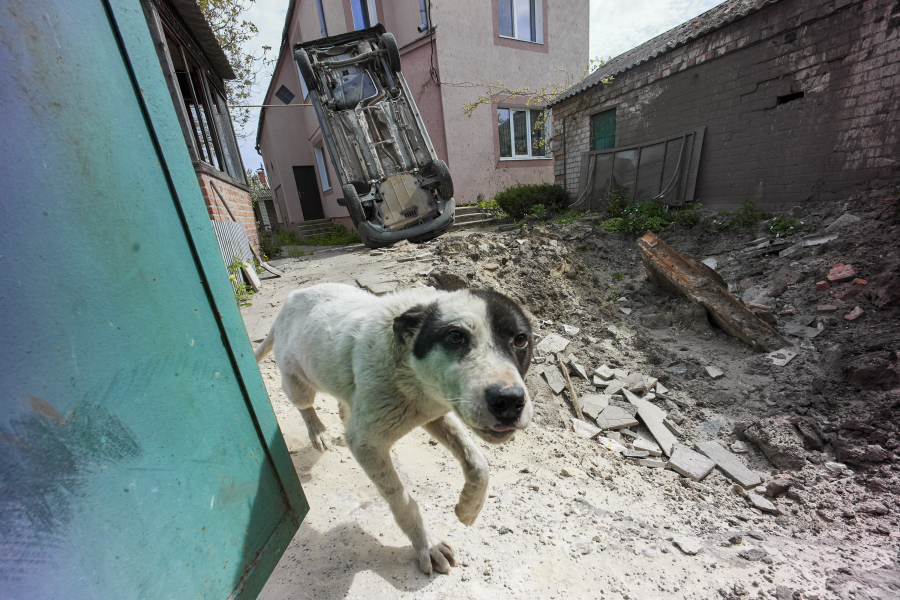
<point>783,226</point>
<point>338,236</point>
<point>286,237</point>
<point>518,200</point>
<point>538,211</point>
<point>616,201</point>
<point>268,246</point>
<point>748,215</point>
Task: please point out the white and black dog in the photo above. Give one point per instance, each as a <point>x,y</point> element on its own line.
<point>407,359</point>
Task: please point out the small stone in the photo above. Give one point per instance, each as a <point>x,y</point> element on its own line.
<point>584,430</point>
<point>635,453</point>
<point>854,314</point>
<point>822,286</point>
<point>777,486</point>
<point>859,281</point>
<point>826,308</point>
<point>714,372</point>
<point>762,504</point>
<point>573,472</point>
<point>842,221</point>
<point>753,554</point>
<point>624,310</point>
<point>739,447</point>
<point>661,389</point>
<point>841,272</point>
<point>872,508</point>
<point>492,267</point>
<point>571,329</point>
<point>599,382</point>
<point>781,357</point>
<point>690,464</point>
<point>687,545</point>
<point>620,374</point>
<point>504,530</point>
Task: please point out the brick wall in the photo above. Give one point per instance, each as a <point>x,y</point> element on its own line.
<point>840,136</point>
<point>238,201</point>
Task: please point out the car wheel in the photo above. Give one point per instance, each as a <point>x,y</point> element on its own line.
<point>389,43</point>
<point>306,70</point>
<point>354,206</point>
<point>440,170</point>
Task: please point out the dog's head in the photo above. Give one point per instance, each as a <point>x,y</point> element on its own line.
<point>472,348</point>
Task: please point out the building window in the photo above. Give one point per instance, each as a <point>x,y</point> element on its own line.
<point>322,27</point>
<point>364,13</point>
<point>603,130</point>
<point>284,95</point>
<point>524,132</point>
<point>521,20</point>
<point>423,10</point>
<point>211,133</point>
<point>323,169</point>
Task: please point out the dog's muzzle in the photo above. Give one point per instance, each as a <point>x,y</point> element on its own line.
<point>505,403</point>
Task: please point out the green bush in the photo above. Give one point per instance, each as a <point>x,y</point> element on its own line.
<point>783,226</point>
<point>338,236</point>
<point>538,211</point>
<point>748,215</point>
<point>268,246</point>
<point>518,200</point>
<point>637,218</point>
<point>286,237</point>
<point>616,201</point>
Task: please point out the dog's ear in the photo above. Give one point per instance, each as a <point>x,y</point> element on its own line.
<point>406,324</point>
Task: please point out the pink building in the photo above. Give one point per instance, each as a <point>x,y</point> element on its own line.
<point>445,47</point>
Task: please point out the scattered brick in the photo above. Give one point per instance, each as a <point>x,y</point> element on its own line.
<point>854,314</point>
<point>841,272</point>
<point>822,285</point>
<point>762,307</point>
<point>860,281</point>
<point>826,308</point>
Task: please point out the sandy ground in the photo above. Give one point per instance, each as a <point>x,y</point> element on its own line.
<point>565,518</point>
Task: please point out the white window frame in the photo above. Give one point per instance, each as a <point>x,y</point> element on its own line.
<point>512,134</point>
<point>324,179</point>
<point>537,17</point>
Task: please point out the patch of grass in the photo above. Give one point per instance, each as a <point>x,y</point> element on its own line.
<point>538,211</point>
<point>242,291</point>
<point>268,246</point>
<point>295,252</point>
<point>338,236</point>
<point>287,238</point>
<point>651,215</point>
<point>568,216</point>
<point>748,215</point>
<point>618,276</point>
<point>783,226</point>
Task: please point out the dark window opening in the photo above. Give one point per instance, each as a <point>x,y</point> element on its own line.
<point>284,95</point>
<point>788,98</point>
<point>603,130</point>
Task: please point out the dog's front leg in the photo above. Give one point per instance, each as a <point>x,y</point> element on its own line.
<point>452,434</point>
<point>375,460</point>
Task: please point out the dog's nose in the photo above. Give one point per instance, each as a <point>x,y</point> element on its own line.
<point>505,403</point>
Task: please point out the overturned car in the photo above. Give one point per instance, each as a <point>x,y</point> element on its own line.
<point>394,185</point>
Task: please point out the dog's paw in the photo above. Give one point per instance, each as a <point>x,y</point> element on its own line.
<point>438,556</point>
<point>469,506</point>
<point>318,441</point>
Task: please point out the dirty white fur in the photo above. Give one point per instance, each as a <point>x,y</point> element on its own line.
<point>341,340</point>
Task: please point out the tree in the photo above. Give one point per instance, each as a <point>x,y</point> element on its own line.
<point>233,32</point>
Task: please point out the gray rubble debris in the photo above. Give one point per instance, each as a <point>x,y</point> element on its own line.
<point>781,357</point>
<point>812,240</point>
<point>687,545</point>
<point>661,389</point>
<point>650,462</point>
<point>738,447</point>
<point>571,329</point>
<point>620,374</point>
<point>714,372</point>
<point>619,401</point>
<point>691,464</point>
<point>583,429</point>
<point>729,463</point>
<point>554,379</point>
<point>599,381</point>
<point>673,427</point>
<point>614,417</point>
<point>762,504</point>
<point>753,554</point>
<point>635,453</point>
<point>552,344</point>
<point>653,418</point>
<point>645,446</point>
<point>578,369</point>
<point>713,426</point>
<point>710,262</point>
<point>593,404</point>
<point>678,369</point>
<point>842,221</point>
<point>603,372</point>
<point>614,387</point>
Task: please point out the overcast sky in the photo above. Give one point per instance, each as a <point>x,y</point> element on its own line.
<point>616,26</point>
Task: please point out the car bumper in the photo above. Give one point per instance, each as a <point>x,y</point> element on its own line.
<point>437,226</point>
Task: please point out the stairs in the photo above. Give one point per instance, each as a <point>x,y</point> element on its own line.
<point>471,216</point>
<point>308,228</point>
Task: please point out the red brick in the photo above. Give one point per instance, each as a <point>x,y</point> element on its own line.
<point>860,281</point>
<point>826,308</point>
<point>822,285</point>
<point>762,307</point>
<point>854,314</point>
<point>841,272</point>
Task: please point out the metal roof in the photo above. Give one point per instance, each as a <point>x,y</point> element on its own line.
<point>712,20</point>
<point>193,17</point>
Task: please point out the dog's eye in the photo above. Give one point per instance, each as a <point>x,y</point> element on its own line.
<point>455,338</point>
<point>521,340</point>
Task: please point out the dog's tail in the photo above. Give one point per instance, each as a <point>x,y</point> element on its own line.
<point>263,349</point>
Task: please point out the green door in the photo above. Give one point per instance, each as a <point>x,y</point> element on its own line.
<point>603,130</point>
<point>139,454</point>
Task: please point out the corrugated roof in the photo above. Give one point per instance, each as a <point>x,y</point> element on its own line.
<point>203,33</point>
<point>712,20</point>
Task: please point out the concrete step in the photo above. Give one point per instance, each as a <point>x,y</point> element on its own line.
<point>467,209</point>
<point>314,222</point>
<point>305,233</point>
<point>471,217</point>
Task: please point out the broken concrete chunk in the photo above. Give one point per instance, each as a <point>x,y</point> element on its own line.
<point>673,427</point>
<point>781,357</point>
<point>636,382</point>
<point>739,447</point>
<point>584,430</point>
<point>612,445</point>
<point>714,372</point>
<point>645,445</point>
<point>842,221</point>
<point>579,370</point>
<point>762,504</point>
<point>571,329</point>
<point>554,379</point>
<point>613,417</point>
<point>614,387</point>
<point>604,372</point>
<point>669,269</point>
<point>779,440</point>
<point>661,389</point>
<point>691,464</point>
<point>812,240</point>
<point>599,382</point>
<point>629,433</point>
<point>651,462</point>
<point>687,545</point>
<point>753,554</point>
<point>710,262</point>
<point>623,309</point>
<point>593,404</point>
<point>653,418</point>
<point>729,463</point>
<point>620,374</point>
<point>619,401</point>
<point>552,344</point>
<point>840,273</point>
<point>635,453</point>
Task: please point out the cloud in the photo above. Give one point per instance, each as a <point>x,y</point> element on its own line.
<point>617,26</point>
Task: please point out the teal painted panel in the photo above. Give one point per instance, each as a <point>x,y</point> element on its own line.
<point>603,130</point>
<point>139,455</point>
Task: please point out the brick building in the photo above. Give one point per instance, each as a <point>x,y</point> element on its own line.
<point>800,100</point>
<point>195,69</point>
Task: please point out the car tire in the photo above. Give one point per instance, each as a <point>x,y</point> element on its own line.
<point>445,183</point>
<point>354,206</point>
<point>306,70</point>
<point>389,43</point>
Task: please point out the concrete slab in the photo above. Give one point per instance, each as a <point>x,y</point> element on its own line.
<point>583,429</point>
<point>554,379</point>
<point>730,464</point>
<point>552,344</point>
<point>619,401</point>
<point>593,404</point>
<point>692,465</point>
<point>645,445</point>
<point>614,387</point>
<point>650,462</point>
<point>653,418</point>
<point>635,453</point>
<point>762,504</point>
<point>614,417</point>
<point>604,372</point>
<point>714,372</point>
